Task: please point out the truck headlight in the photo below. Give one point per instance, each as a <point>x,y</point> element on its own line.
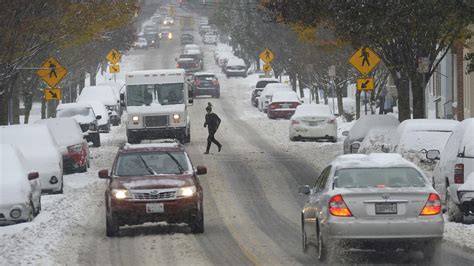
<point>135,119</point>
<point>176,118</point>
<point>120,193</point>
<point>184,192</point>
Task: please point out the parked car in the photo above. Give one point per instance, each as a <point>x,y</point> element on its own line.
<point>187,38</point>
<point>190,65</point>
<point>210,38</point>
<point>41,151</point>
<point>456,163</point>
<point>258,88</point>
<point>362,126</point>
<point>267,93</point>
<point>205,83</point>
<point>283,104</point>
<point>223,57</point>
<point>221,48</point>
<point>85,116</point>
<point>153,183</point>
<point>20,187</point>
<point>71,140</point>
<point>107,95</point>
<point>141,43</point>
<point>313,121</point>
<point>236,67</point>
<point>203,29</point>
<point>377,201</point>
<point>466,196</point>
<point>100,110</point>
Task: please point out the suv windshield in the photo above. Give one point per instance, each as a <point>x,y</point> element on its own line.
<point>151,163</point>
<point>147,94</point>
<point>378,177</point>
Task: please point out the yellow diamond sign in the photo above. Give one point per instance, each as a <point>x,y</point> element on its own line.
<point>114,68</point>
<point>52,94</point>
<point>365,84</point>
<point>267,56</point>
<point>52,72</point>
<point>113,56</point>
<point>364,60</point>
<point>267,68</point>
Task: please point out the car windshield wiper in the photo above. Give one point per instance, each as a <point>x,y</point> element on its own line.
<point>180,167</point>
<point>147,166</point>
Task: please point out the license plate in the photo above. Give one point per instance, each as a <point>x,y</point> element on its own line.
<point>155,208</point>
<point>285,105</point>
<point>314,123</point>
<point>385,208</point>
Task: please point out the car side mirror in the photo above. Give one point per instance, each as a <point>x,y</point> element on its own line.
<point>355,147</point>
<point>433,155</point>
<point>104,174</point>
<point>33,176</point>
<point>98,117</point>
<point>304,190</point>
<point>201,170</point>
<point>345,133</point>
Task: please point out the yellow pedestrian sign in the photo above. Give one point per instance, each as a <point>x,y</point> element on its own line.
<point>267,56</point>
<point>267,68</point>
<point>364,60</point>
<point>113,56</point>
<point>52,94</point>
<point>114,68</point>
<point>365,84</point>
<point>52,72</point>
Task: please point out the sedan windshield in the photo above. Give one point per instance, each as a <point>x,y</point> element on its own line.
<point>378,177</point>
<point>151,163</point>
<point>164,94</point>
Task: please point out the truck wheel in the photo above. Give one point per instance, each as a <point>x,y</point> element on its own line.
<point>95,138</point>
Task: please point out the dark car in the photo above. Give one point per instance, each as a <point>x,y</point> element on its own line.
<point>206,84</point>
<point>152,39</point>
<point>153,182</point>
<point>187,38</point>
<point>258,88</point>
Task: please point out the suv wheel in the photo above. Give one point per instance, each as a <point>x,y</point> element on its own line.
<point>454,213</point>
<point>112,228</point>
<point>197,224</point>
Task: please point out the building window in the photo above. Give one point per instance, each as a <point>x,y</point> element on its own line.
<point>437,82</point>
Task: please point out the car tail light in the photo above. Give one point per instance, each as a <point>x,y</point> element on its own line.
<point>295,122</point>
<point>432,206</point>
<point>338,207</point>
<point>331,120</point>
<point>75,148</point>
<point>459,173</point>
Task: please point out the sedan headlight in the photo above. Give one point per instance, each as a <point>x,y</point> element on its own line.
<point>120,193</point>
<point>184,192</point>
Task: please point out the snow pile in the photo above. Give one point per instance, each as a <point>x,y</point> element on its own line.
<point>459,234</point>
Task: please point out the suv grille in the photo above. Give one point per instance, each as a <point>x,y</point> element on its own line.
<point>156,121</point>
<point>154,195</point>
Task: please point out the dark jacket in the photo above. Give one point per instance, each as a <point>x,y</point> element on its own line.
<point>212,122</point>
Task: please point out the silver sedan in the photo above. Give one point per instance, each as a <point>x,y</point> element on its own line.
<point>378,201</point>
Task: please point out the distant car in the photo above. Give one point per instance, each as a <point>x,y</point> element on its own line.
<point>153,183</point>
<point>236,67</point>
<point>283,104</point>
<point>378,201</point>
<point>187,38</point>
<point>314,122</point>
<point>193,55</point>
<point>221,49</point>
<point>258,88</point>
<point>141,43</point>
<point>188,64</point>
<point>152,39</point>
<point>165,33</point>
<point>210,38</point>
<point>85,116</point>
<point>362,126</point>
<point>100,110</point>
<point>455,165</point>
<point>41,151</point>
<point>71,140</point>
<point>205,84</point>
<point>267,93</point>
<point>203,29</point>
<point>168,21</point>
<point>20,187</point>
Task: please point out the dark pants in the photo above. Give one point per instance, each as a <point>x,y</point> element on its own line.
<point>211,139</point>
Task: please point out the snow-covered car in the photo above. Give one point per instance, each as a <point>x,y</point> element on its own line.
<point>20,188</point>
<point>362,126</point>
<point>105,94</point>
<point>283,104</point>
<point>376,139</point>
<point>313,121</point>
<point>71,140</point>
<point>189,65</point>
<point>221,48</point>
<point>223,57</point>
<point>378,201</point>
<point>456,163</point>
<point>85,116</point>
<point>41,151</point>
<point>204,83</point>
<point>141,43</point>
<point>153,183</point>
<point>100,110</point>
<point>267,94</point>
<point>193,54</point>
<point>235,67</point>
<point>258,88</point>
<point>203,29</point>
<point>210,38</point>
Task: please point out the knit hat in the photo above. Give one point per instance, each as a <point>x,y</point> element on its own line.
<point>209,108</point>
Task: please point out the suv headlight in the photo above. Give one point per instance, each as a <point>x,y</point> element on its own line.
<point>184,192</point>
<point>176,118</point>
<point>120,193</point>
<point>135,119</point>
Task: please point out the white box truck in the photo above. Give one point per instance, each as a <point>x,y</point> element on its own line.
<point>157,105</point>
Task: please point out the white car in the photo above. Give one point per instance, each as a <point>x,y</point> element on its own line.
<point>236,67</point>
<point>141,43</point>
<point>267,93</point>
<point>100,110</point>
<point>20,190</point>
<point>41,151</point>
<point>456,163</point>
<point>105,94</point>
<point>313,121</point>
<point>210,38</point>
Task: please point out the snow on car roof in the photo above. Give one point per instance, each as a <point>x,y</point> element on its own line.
<point>13,175</point>
<point>285,96</point>
<point>365,123</point>
<point>274,87</point>
<point>427,125</point>
<point>193,51</point>
<point>373,160</point>
<point>99,109</point>
<point>65,130</point>
<point>103,93</point>
<point>305,110</point>
<point>467,143</point>
<point>236,61</point>
<point>73,105</point>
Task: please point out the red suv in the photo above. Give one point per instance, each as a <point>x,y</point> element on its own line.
<point>153,183</point>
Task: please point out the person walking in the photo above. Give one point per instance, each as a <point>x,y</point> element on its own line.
<point>212,123</point>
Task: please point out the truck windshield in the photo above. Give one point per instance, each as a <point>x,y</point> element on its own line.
<point>147,94</point>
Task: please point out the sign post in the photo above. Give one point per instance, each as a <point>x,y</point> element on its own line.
<point>332,77</point>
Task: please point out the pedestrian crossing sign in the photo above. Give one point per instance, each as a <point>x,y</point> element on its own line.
<point>51,72</point>
<point>267,56</point>
<point>364,60</point>
<point>113,56</point>
<point>365,84</point>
